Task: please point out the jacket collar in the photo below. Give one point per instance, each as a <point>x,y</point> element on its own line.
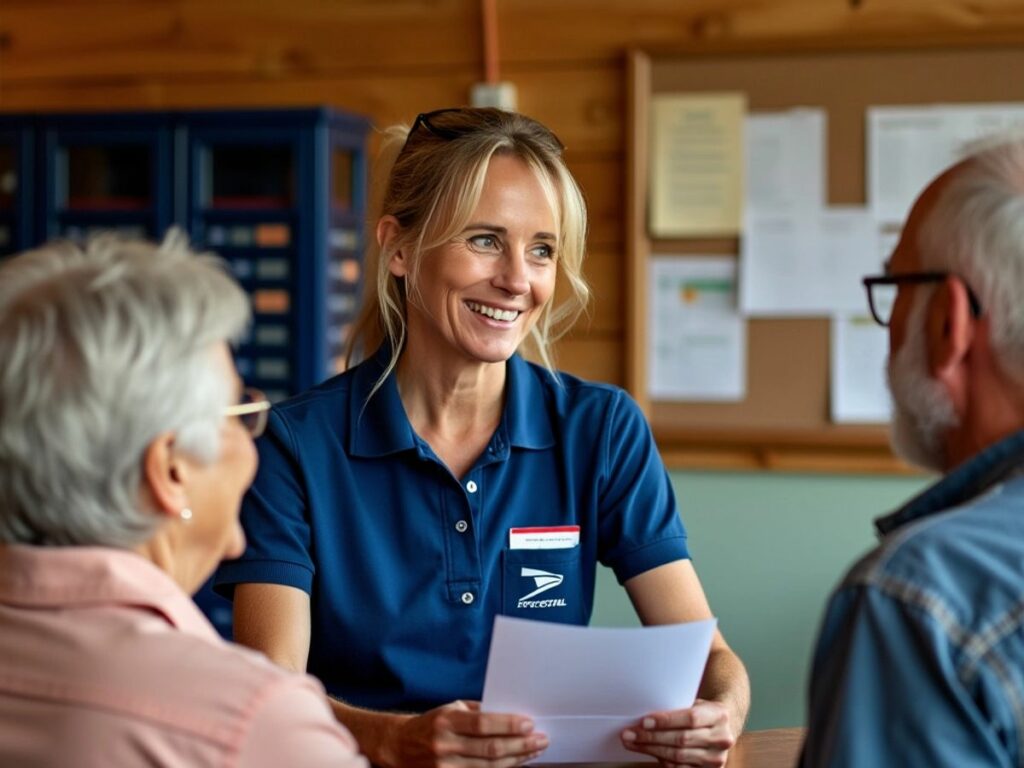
<point>997,463</point>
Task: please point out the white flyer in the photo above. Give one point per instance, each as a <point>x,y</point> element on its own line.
<point>583,685</point>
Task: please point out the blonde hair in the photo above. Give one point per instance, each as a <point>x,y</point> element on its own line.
<point>430,178</point>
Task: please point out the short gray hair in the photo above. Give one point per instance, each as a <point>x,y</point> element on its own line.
<point>103,349</point>
<point>976,229</point>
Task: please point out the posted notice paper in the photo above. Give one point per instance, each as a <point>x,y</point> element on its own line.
<point>908,145</point>
<point>808,263</point>
<point>786,160</point>
<point>698,339</point>
<point>859,349</point>
<point>583,685</point>
<point>697,164</point>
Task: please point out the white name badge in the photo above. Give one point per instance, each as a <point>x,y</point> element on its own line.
<point>550,537</point>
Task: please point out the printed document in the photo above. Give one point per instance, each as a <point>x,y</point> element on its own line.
<point>697,338</point>
<point>859,349</point>
<point>786,160</point>
<point>583,685</point>
<point>908,146</point>
<point>807,264</point>
<point>697,164</point>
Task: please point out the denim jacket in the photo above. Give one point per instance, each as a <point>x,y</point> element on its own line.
<point>920,657</point>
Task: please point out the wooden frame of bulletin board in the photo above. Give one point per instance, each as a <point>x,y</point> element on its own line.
<point>783,423</point>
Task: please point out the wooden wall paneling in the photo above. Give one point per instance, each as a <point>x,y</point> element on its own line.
<point>604,269</point>
<point>385,99</point>
<point>582,105</point>
<point>50,39</point>
<point>638,89</point>
<point>596,356</point>
<point>596,176</point>
<point>536,30</point>
<point>197,37</point>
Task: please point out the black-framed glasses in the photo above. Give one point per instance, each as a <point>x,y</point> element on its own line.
<point>454,122</point>
<point>882,290</point>
<point>252,411</point>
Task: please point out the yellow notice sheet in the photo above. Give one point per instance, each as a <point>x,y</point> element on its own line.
<point>697,164</point>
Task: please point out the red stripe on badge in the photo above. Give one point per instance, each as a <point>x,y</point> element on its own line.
<point>553,529</point>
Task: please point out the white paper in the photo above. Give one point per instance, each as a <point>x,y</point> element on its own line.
<point>583,685</point>
<point>785,160</point>
<point>697,338</point>
<point>909,146</point>
<point>696,164</point>
<point>808,263</point>
<point>858,388</point>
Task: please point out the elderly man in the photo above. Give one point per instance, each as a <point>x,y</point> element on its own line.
<point>920,660</point>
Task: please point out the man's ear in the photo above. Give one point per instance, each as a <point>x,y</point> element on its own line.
<point>388,231</point>
<point>164,474</point>
<point>950,326</point>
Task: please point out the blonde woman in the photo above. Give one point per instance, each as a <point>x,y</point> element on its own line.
<point>444,479</point>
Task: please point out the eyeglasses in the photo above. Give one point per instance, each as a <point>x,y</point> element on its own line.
<point>252,411</point>
<point>454,122</point>
<point>882,290</point>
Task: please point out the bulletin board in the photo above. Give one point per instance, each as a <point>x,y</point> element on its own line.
<point>784,421</point>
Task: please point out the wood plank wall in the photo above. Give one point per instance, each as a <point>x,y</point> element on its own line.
<point>390,59</point>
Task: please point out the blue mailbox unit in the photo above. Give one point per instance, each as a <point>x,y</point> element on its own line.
<point>105,172</point>
<point>280,194</point>
<point>17,163</point>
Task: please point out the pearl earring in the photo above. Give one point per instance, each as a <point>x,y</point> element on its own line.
<point>186,514</point>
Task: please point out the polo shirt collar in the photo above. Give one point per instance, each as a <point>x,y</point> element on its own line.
<point>997,463</point>
<point>72,577</point>
<point>380,426</point>
<point>527,416</point>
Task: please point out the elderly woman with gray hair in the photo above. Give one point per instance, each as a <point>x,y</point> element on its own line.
<point>126,442</point>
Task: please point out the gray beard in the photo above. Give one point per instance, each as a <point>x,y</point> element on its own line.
<point>922,409</point>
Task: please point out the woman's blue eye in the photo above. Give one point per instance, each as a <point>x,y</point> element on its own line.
<point>543,251</point>
<point>484,241</point>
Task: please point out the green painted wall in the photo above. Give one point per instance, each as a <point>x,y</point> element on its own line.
<point>769,547</point>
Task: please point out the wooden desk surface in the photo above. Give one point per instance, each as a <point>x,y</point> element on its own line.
<point>777,748</point>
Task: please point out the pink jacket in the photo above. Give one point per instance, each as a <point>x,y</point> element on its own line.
<point>104,661</point>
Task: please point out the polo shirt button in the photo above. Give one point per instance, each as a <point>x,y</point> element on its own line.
<point>461,526</point>
<point>467,597</point>
<point>471,486</point>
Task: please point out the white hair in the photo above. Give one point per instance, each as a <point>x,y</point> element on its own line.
<point>104,349</point>
<point>976,229</point>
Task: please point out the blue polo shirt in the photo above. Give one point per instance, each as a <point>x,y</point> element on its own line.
<point>406,565</point>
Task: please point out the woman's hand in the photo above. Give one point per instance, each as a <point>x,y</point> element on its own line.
<point>698,736</point>
<point>459,734</point>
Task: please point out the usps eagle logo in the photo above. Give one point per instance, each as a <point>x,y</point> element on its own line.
<point>543,581</point>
